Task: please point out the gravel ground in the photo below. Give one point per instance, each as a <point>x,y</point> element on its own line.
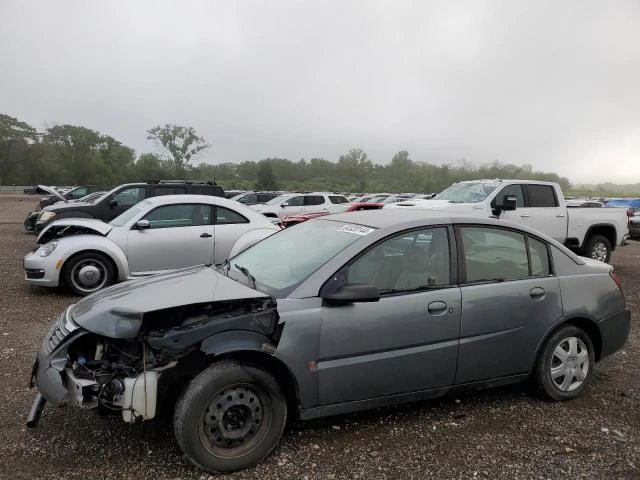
<point>505,433</point>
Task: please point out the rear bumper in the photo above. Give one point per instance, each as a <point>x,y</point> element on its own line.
<point>614,331</point>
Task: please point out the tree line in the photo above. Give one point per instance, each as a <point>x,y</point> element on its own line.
<point>73,155</point>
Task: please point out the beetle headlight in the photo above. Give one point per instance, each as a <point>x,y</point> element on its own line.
<point>46,216</point>
<point>48,248</point>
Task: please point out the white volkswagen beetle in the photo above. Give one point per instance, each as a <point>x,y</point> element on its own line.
<point>156,235</point>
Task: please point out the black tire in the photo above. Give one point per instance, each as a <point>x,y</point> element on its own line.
<point>96,262</point>
<point>214,416</point>
<point>548,360</point>
<point>596,247</point>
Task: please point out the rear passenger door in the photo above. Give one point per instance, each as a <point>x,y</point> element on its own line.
<point>546,213</point>
<point>315,203</point>
<point>510,297</point>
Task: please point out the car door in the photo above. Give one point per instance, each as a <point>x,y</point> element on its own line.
<point>546,213</point>
<point>179,235</point>
<point>509,298</point>
<point>405,342</point>
<point>293,206</point>
<point>522,213</point>
<point>122,201</point>
<point>315,203</point>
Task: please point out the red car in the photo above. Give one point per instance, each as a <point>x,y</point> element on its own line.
<point>303,217</point>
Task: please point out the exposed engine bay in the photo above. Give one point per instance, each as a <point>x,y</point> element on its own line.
<point>131,375</point>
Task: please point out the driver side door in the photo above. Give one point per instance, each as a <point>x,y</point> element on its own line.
<point>178,236</point>
<point>293,206</point>
<point>408,340</point>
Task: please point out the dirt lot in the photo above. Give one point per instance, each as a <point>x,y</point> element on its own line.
<point>505,433</point>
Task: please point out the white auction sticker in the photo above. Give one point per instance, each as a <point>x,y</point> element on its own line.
<point>356,229</point>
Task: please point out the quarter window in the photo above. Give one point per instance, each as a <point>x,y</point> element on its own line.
<point>180,215</point>
<point>225,216</point>
<point>539,258</point>
<point>407,262</point>
<point>541,196</point>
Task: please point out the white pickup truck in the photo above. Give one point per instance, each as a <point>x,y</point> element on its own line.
<point>592,232</point>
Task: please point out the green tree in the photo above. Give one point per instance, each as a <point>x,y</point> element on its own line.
<point>13,134</point>
<point>266,178</point>
<point>178,145</point>
<point>355,167</point>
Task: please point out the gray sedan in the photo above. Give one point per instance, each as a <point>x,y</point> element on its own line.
<point>337,314</point>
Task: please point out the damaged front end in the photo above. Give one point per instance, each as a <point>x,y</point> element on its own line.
<point>134,376</point>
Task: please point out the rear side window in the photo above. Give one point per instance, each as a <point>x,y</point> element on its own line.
<point>202,190</point>
<point>313,200</point>
<point>494,254</point>
<point>338,199</point>
<point>226,216</point>
<point>541,196</point>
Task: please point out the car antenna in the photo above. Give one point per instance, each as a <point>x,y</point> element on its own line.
<point>215,212</point>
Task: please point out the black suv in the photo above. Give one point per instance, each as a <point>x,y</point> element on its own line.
<point>123,197</point>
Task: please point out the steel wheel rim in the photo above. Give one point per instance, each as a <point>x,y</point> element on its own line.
<point>569,364</point>
<point>83,268</point>
<point>235,421</point>
<point>599,252</point>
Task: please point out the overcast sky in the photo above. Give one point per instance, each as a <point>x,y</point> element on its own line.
<point>553,84</point>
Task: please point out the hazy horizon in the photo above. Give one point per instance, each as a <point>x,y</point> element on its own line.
<point>549,84</point>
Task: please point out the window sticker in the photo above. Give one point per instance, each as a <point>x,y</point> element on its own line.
<point>356,229</point>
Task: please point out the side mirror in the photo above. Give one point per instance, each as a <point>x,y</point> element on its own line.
<point>506,203</point>
<point>113,203</point>
<point>282,205</point>
<point>351,293</point>
<point>143,225</point>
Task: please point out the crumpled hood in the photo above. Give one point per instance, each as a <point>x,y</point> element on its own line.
<point>58,228</point>
<point>117,311</point>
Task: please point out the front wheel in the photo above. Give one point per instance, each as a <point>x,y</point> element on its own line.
<point>230,417</point>
<point>88,272</point>
<point>598,247</point>
<point>565,364</point>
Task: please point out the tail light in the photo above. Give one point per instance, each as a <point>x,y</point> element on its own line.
<point>616,279</point>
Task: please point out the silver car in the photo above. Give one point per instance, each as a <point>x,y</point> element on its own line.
<point>340,313</point>
<point>156,235</point>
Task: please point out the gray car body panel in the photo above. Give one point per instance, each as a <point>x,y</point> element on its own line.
<point>118,311</point>
<point>350,357</point>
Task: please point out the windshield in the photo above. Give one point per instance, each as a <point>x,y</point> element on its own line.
<point>279,199</point>
<point>279,266</point>
<point>467,192</point>
<point>126,216</point>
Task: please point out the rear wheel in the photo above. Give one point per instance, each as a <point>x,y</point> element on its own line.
<point>599,248</point>
<point>565,364</point>
<point>88,272</point>
<point>230,417</point>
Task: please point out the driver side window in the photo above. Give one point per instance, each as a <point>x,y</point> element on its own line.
<point>511,190</point>
<point>294,202</point>
<point>406,262</point>
<point>130,196</point>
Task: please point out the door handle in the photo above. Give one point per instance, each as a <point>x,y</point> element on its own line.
<point>525,215</point>
<point>437,308</point>
<point>560,215</point>
<point>206,235</point>
<point>537,292</point>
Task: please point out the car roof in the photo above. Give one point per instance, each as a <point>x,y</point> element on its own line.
<point>190,198</point>
<point>396,219</point>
